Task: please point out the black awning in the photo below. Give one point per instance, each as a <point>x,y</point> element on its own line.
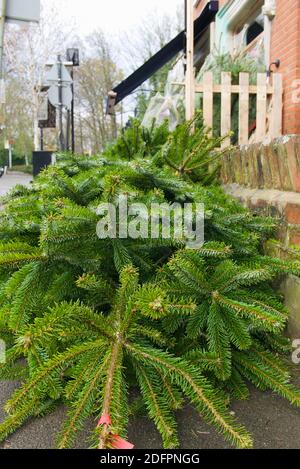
<point>162,57</point>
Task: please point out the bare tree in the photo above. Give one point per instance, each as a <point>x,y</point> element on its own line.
<point>153,33</point>
<point>142,43</point>
<point>17,118</point>
<point>97,75</point>
<point>27,50</point>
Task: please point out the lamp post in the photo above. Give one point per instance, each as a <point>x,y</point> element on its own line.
<point>73,56</point>
<point>60,107</point>
<point>3,7</point>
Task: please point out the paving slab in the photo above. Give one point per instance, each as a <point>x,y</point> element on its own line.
<point>272,421</point>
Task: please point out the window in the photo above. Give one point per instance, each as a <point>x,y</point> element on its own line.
<point>234,21</point>
<point>248,30</point>
<point>246,24</point>
<point>255,30</point>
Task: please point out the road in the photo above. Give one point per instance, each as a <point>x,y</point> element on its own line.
<point>10,180</point>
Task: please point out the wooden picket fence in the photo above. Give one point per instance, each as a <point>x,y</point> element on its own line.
<point>269,94</point>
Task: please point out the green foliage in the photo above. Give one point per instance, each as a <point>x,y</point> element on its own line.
<point>18,159</point>
<point>192,153</point>
<point>95,317</point>
<point>235,63</point>
<point>137,141</point>
<point>239,62</point>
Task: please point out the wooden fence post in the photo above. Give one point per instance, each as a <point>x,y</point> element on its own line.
<point>261,108</point>
<point>208,100</point>
<point>244,109</point>
<point>225,107</point>
<point>276,114</point>
<point>244,90</point>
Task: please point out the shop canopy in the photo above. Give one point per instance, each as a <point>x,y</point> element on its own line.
<point>167,53</point>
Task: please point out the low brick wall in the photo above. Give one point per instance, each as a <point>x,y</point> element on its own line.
<point>266,179</point>
<point>258,166</point>
<point>285,206</point>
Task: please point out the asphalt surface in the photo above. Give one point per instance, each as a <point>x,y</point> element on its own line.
<point>10,180</point>
<point>272,421</point>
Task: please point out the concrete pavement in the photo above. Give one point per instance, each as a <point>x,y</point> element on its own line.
<point>272,421</point>
<point>10,180</point>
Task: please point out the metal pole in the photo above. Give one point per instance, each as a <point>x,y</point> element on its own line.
<point>42,139</point>
<point>3,4</point>
<point>73,112</point>
<point>68,130</point>
<point>3,8</point>
<point>10,156</point>
<point>60,105</point>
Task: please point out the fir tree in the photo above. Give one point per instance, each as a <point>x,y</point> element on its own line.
<point>95,317</point>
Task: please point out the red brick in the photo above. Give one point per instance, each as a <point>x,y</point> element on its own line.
<point>286,46</point>
<point>292,214</point>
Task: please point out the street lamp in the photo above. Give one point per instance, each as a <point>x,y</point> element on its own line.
<point>72,56</point>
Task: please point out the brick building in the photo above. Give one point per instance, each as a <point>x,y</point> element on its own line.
<point>277,23</point>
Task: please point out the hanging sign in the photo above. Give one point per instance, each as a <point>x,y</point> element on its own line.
<point>23,11</point>
<point>50,122</point>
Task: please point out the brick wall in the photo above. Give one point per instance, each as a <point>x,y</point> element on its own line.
<point>285,206</point>
<point>274,166</point>
<point>285,45</point>
<point>266,178</point>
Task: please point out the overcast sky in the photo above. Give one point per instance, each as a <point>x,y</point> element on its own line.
<point>112,15</point>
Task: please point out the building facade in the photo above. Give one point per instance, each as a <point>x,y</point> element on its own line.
<point>272,24</point>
